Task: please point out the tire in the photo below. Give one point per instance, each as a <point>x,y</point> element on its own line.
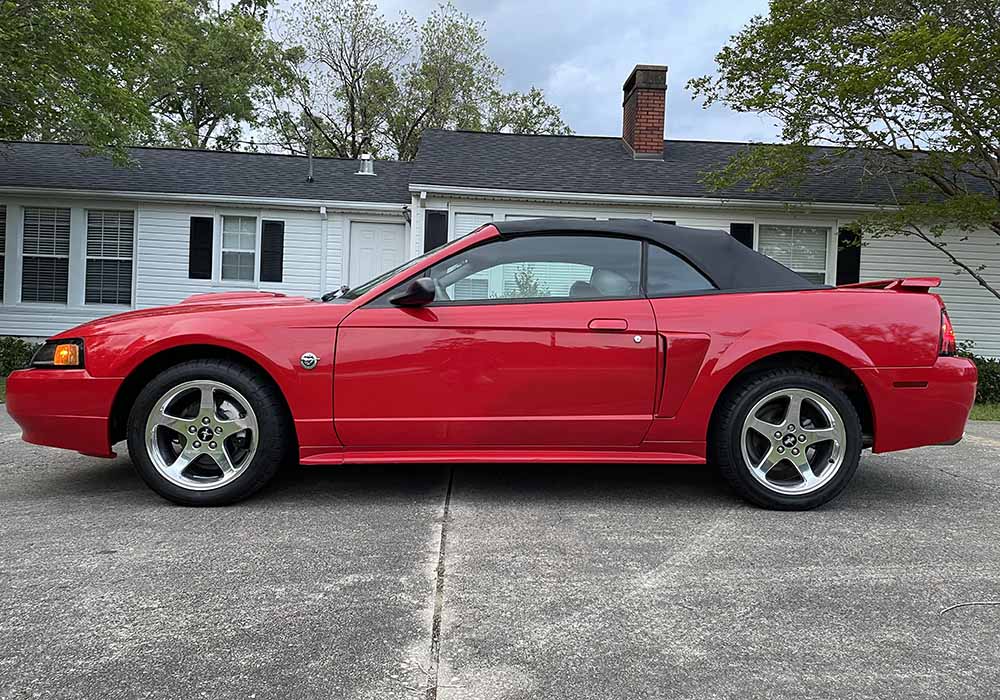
<point>760,446</point>
<point>208,432</point>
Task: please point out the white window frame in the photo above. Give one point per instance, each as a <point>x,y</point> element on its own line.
<point>219,246</point>
<point>830,273</point>
<point>87,257</point>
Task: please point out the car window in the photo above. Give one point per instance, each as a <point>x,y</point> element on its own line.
<point>541,268</point>
<point>667,273</point>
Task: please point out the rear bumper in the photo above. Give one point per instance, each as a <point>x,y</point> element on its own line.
<point>63,408</point>
<point>918,406</point>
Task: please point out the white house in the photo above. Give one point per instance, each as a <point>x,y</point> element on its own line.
<point>85,238</point>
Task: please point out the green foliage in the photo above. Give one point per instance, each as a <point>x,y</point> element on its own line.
<point>988,388</point>
<point>371,85</point>
<point>905,94</point>
<point>524,113</point>
<point>73,71</point>
<point>214,70</point>
<point>526,284</point>
<point>112,74</point>
<point>15,353</point>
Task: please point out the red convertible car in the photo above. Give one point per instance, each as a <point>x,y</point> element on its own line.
<point>531,341</point>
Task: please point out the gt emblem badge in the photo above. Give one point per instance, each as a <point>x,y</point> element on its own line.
<point>309,361</point>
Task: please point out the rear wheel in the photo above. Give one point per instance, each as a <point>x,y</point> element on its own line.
<point>207,432</point>
<point>787,439</point>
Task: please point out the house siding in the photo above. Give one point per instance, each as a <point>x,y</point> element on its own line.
<point>974,312</point>
<point>313,257</point>
<point>162,255</point>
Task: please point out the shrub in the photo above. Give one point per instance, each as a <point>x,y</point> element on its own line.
<point>14,354</point>
<point>988,390</point>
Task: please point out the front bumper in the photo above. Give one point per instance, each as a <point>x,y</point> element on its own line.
<point>65,408</point>
<point>918,406</point>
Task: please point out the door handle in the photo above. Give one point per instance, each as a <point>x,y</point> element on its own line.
<point>608,324</point>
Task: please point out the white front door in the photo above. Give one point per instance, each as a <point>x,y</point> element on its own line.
<point>375,248</point>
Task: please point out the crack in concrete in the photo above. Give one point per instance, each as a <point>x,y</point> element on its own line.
<point>435,655</point>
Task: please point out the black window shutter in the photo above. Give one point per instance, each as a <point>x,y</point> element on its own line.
<point>272,250</point>
<point>743,233</point>
<point>848,256</point>
<point>435,229</point>
<point>200,248</point>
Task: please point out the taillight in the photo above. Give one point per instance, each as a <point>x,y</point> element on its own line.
<point>948,346</point>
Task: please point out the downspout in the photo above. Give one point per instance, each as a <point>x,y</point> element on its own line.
<point>324,273</point>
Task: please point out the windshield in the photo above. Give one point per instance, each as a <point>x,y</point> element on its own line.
<point>355,292</point>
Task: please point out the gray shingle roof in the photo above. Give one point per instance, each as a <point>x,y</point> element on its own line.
<point>167,170</point>
<point>597,164</point>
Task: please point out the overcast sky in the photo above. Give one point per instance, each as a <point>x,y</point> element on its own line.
<point>580,52</point>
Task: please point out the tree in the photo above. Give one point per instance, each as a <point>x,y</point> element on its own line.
<point>371,85</point>
<point>215,69</point>
<point>906,91</point>
<point>344,83</point>
<point>524,113</point>
<point>69,70</point>
<point>526,284</point>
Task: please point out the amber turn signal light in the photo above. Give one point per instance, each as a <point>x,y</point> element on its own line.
<point>61,354</point>
<point>66,355</point>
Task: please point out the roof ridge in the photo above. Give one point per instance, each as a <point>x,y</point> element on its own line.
<point>506,133</point>
<point>619,138</point>
<point>200,150</point>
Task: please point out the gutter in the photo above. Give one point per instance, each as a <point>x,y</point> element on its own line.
<point>209,199</point>
<point>641,200</point>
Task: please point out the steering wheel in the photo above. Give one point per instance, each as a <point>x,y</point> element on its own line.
<point>439,291</point>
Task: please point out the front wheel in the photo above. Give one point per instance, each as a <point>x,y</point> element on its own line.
<point>787,439</point>
<point>207,432</point>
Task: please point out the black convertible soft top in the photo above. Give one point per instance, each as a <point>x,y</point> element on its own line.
<point>720,257</point>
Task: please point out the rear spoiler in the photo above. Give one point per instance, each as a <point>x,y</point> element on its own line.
<point>903,284</point>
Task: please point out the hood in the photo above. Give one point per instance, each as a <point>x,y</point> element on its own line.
<point>244,298</point>
<point>197,303</point>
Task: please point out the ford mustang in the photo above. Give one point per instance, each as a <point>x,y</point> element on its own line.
<point>545,340</point>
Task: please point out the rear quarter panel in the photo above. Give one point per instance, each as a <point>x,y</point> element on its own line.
<point>857,328</point>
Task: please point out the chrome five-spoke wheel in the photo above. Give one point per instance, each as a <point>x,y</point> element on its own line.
<point>201,435</point>
<point>793,441</point>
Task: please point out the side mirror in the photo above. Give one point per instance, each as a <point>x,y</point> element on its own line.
<point>419,292</point>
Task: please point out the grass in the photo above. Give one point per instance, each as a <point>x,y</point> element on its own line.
<point>986,411</point>
<point>3,389</point>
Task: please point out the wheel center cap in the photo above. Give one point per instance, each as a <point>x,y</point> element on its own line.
<point>205,434</point>
<point>788,440</point>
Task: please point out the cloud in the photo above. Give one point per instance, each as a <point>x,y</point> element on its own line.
<point>580,52</point>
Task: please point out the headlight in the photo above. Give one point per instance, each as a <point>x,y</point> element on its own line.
<point>59,354</point>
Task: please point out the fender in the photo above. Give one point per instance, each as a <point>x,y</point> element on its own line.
<point>189,332</point>
<point>308,393</point>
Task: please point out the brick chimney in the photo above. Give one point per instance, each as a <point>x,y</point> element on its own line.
<point>643,110</point>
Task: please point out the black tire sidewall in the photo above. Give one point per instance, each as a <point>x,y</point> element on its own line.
<point>730,454</point>
<point>271,424</point>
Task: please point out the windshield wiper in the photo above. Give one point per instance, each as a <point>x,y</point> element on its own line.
<point>330,296</point>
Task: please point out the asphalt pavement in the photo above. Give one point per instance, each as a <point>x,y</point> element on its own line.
<point>500,582</point>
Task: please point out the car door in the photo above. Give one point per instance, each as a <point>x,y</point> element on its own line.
<point>538,341</point>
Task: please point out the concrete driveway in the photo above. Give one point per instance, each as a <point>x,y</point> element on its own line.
<point>555,582</point>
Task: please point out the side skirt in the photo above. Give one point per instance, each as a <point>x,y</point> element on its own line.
<point>480,456</point>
